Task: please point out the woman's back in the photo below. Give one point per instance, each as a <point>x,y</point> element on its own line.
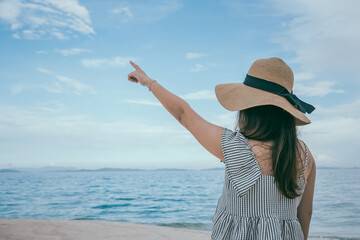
<point>262,152</point>
<point>251,205</point>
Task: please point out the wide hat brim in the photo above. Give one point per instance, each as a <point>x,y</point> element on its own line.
<point>237,96</point>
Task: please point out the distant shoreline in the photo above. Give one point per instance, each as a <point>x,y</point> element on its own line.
<point>64,169</point>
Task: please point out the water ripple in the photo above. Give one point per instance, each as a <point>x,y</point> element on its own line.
<point>168,198</point>
<point>106,206</point>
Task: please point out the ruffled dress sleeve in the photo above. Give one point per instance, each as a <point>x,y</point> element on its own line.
<point>240,164</point>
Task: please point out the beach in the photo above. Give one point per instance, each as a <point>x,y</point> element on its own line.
<point>30,229</point>
<point>186,201</point>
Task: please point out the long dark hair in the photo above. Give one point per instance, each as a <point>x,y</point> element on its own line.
<point>271,123</point>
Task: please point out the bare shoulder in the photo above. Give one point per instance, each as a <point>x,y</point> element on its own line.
<point>310,164</point>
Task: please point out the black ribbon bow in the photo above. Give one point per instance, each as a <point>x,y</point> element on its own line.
<point>279,90</point>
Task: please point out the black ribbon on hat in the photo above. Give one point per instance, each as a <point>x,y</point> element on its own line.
<point>279,90</point>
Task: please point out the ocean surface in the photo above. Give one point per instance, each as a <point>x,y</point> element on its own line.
<point>185,199</point>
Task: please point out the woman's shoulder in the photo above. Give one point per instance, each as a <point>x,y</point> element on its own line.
<point>230,132</point>
<point>229,136</point>
<point>305,159</point>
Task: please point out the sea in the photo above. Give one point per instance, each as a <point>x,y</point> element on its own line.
<point>174,198</point>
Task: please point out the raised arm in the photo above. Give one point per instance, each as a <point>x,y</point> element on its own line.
<point>207,134</point>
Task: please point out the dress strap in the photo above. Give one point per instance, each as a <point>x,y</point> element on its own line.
<point>306,158</point>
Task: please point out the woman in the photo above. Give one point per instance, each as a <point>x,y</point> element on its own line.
<point>269,174</point>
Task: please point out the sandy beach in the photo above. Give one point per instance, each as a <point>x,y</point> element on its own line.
<point>16,229</point>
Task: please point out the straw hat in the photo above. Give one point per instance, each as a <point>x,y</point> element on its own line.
<point>268,82</point>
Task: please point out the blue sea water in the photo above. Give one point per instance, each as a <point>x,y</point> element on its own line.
<point>184,199</point>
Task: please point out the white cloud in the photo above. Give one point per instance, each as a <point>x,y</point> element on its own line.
<point>31,34</point>
<point>10,10</point>
<point>53,106</point>
<point>201,67</point>
<point>60,84</point>
<point>348,110</point>
<point>76,87</point>
<point>146,11</point>
<point>56,87</point>
<point>36,19</point>
<point>80,141</point>
<point>59,35</point>
<point>198,67</point>
<point>334,134</point>
<point>143,102</point>
<point>104,62</point>
<point>321,89</point>
<point>18,88</point>
<point>323,34</point>
<point>192,55</point>
<point>123,10</point>
<point>228,120</point>
<point>41,52</point>
<point>15,26</point>
<point>16,35</point>
<point>72,51</point>
<point>302,76</point>
<point>43,70</point>
<point>200,95</point>
<point>336,137</point>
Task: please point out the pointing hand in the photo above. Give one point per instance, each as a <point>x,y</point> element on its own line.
<point>139,76</point>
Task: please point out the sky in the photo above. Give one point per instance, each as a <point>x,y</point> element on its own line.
<point>65,99</point>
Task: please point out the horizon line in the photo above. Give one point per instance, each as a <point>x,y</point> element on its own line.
<point>75,169</point>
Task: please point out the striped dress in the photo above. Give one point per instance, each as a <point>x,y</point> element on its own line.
<point>251,206</point>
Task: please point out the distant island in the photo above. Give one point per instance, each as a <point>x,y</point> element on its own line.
<point>105,170</point>
<point>8,170</point>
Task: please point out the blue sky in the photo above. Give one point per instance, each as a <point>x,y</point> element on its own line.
<point>65,99</point>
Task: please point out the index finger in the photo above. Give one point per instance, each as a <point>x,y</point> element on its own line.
<point>134,65</point>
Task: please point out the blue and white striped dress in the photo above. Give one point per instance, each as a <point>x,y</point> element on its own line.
<point>251,206</point>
